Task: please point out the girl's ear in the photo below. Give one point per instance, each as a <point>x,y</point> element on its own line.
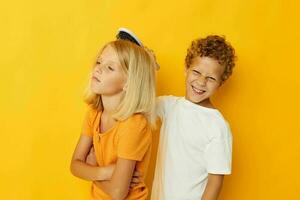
<point>125,87</point>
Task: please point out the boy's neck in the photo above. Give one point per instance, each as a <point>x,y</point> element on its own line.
<point>205,103</point>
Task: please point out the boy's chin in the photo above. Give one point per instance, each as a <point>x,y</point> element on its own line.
<point>199,101</point>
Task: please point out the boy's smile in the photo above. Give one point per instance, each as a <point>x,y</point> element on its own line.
<point>203,78</point>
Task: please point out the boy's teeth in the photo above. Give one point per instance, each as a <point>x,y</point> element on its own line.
<point>197,90</point>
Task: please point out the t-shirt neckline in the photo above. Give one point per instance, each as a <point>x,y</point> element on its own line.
<point>188,102</point>
<point>98,130</point>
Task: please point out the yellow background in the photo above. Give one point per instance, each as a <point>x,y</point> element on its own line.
<point>47,48</point>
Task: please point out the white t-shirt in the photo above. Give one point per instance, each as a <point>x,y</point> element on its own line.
<point>194,141</point>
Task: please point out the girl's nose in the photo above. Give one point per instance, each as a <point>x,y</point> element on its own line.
<point>98,69</point>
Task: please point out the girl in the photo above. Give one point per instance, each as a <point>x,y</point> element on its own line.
<point>121,97</point>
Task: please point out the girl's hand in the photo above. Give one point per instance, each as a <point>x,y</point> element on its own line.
<point>109,170</point>
<point>91,158</point>
<point>136,179</point>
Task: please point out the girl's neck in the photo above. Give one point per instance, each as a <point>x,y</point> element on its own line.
<point>111,103</point>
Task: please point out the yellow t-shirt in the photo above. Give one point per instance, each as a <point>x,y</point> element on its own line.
<point>129,139</point>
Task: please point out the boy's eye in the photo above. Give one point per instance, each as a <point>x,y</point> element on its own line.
<point>196,72</point>
<point>211,78</point>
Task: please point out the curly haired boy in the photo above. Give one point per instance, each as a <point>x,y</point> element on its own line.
<point>195,146</point>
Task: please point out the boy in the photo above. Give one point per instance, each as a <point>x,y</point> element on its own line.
<point>195,140</point>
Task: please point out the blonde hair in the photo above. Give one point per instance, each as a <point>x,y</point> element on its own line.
<point>140,92</point>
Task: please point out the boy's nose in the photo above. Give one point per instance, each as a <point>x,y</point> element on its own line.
<point>201,80</point>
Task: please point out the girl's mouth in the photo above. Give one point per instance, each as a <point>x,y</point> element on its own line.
<point>96,79</point>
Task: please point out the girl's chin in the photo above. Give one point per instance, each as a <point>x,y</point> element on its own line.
<point>95,91</point>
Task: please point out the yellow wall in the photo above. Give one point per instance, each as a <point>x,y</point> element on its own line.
<point>47,48</point>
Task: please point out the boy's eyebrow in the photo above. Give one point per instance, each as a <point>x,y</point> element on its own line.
<point>208,75</point>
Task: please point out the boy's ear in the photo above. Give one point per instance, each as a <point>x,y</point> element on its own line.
<point>221,83</point>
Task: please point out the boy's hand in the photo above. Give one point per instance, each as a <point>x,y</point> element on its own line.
<point>136,179</point>
<point>91,158</point>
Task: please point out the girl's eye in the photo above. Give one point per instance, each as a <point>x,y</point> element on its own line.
<point>110,68</point>
<point>98,63</point>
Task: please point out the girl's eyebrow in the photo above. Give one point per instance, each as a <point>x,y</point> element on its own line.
<point>111,62</point>
<point>107,61</point>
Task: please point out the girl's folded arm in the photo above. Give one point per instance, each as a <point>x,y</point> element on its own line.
<point>81,169</point>
<point>118,186</point>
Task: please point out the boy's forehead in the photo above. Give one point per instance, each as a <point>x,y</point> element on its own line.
<point>206,63</point>
<point>204,60</point>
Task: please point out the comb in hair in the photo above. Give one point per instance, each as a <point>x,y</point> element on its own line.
<point>125,34</point>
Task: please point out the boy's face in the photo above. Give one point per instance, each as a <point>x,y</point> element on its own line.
<point>203,78</point>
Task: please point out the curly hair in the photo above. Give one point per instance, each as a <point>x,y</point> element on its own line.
<point>215,47</point>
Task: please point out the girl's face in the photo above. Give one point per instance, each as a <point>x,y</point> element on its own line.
<point>108,76</point>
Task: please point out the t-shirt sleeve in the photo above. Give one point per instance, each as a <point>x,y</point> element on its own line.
<point>162,106</point>
<point>134,139</point>
<point>218,152</point>
<point>87,127</point>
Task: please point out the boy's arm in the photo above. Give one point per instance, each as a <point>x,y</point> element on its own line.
<point>213,187</point>
<point>118,186</point>
<point>81,169</point>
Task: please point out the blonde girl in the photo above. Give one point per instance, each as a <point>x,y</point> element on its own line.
<point>121,99</point>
